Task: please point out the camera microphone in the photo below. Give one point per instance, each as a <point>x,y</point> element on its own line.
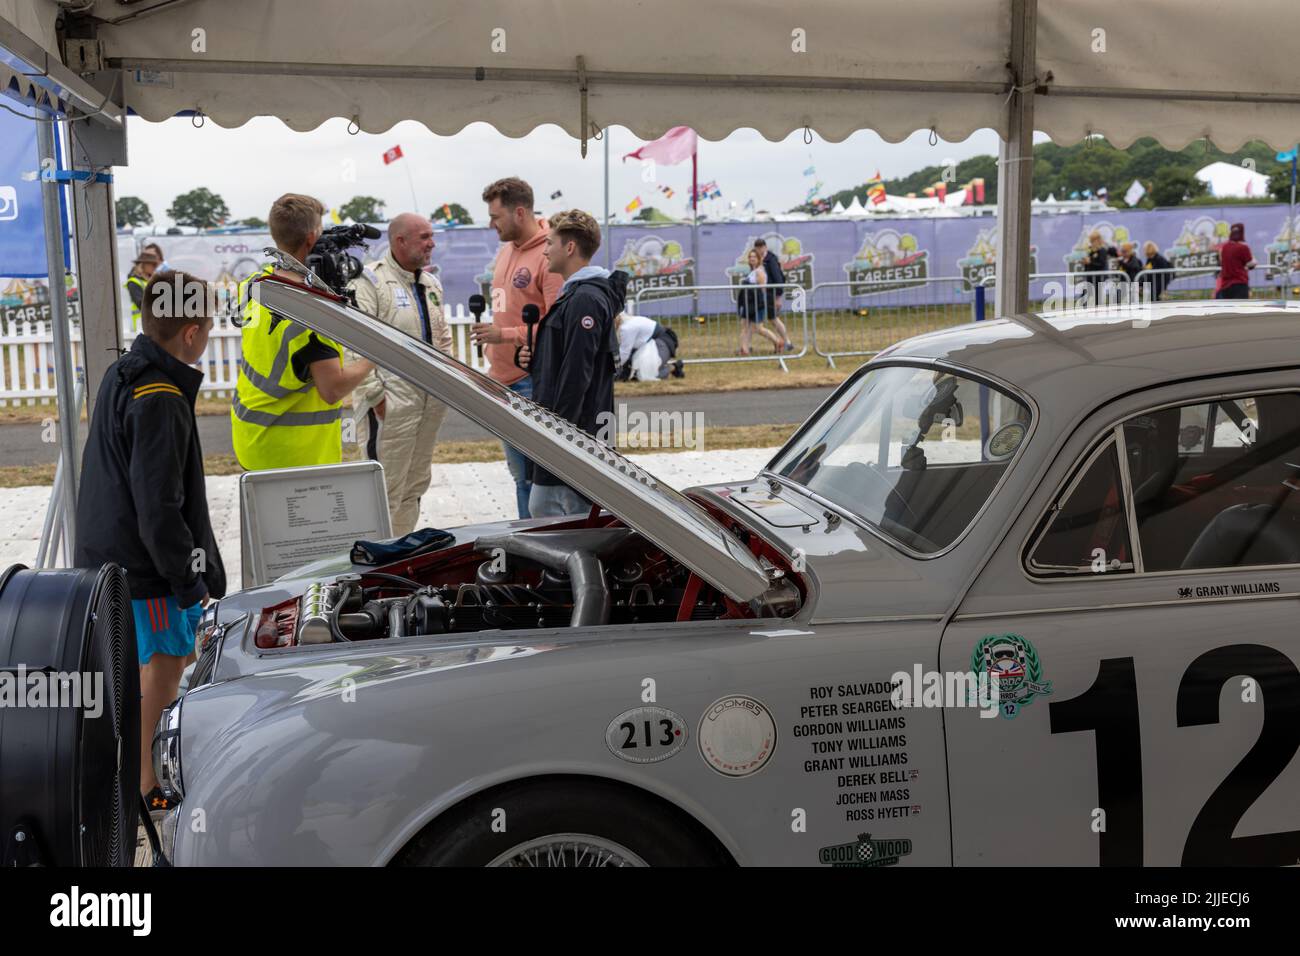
<point>370,232</point>
<point>476,306</point>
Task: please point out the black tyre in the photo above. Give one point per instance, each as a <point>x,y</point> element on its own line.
<point>564,821</point>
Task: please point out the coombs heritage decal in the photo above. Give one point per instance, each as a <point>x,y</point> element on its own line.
<point>1111,235</point>
<point>887,259</point>
<point>1013,663</point>
<point>737,735</point>
<point>1197,246</point>
<point>981,260</point>
<point>795,263</point>
<point>657,269</point>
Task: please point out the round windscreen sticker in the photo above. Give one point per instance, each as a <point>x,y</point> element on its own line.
<point>737,736</point>
<point>1004,442</point>
<point>645,734</point>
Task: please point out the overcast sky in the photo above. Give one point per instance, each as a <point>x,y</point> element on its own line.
<point>252,165</point>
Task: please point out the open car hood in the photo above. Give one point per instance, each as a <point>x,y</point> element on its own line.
<point>660,514</point>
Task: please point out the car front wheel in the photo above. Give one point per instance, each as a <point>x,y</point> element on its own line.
<point>564,822</point>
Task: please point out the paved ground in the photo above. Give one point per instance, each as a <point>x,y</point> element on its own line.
<point>459,494</point>
<point>24,444</point>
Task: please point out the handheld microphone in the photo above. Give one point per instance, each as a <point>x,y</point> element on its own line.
<point>476,306</point>
<point>531,315</point>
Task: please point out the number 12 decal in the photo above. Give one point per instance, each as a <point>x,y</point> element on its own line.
<point>1110,709</point>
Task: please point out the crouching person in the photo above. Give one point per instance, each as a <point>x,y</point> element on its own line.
<point>143,504</point>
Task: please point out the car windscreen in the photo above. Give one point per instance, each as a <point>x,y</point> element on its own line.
<point>913,451</point>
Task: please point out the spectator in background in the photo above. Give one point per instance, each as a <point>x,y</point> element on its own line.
<point>1096,263</point>
<point>520,276</point>
<point>646,349</point>
<point>1157,272</point>
<point>142,270</point>
<point>751,305</point>
<point>1235,260</point>
<point>143,502</point>
<point>775,294</point>
<point>1129,262</point>
<point>157,251</point>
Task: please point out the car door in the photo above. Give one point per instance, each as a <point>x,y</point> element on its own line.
<point>1141,615</point>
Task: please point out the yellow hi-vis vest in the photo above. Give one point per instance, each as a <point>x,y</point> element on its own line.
<point>278,420</point>
<point>141,281</point>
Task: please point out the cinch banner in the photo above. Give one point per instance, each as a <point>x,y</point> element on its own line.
<point>22,229</point>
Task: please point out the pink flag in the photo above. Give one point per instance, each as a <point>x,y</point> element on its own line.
<point>669,149</point>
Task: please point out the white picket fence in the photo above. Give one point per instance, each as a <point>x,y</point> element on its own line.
<point>27,356</point>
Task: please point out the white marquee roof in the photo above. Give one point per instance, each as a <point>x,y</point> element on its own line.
<point>1174,71</point>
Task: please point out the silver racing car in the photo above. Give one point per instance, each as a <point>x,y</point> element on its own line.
<point>1022,591</point>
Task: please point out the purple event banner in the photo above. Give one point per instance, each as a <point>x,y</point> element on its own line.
<point>858,259</point>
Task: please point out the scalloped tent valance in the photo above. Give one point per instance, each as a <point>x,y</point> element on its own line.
<point>1178,72</point>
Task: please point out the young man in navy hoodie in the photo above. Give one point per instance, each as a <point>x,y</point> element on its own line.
<point>143,504</point>
<point>575,355</point>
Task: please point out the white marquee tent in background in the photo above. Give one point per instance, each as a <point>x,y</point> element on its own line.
<point>1178,72</point>
<point>1229,181</point>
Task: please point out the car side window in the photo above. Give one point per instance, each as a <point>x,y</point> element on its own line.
<point>1217,484</point>
<point>1086,531</point>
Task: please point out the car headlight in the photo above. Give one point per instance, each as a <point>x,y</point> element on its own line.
<point>167,752</point>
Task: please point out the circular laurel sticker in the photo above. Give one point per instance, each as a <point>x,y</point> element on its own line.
<point>737,736</point>
<point>645,734</point>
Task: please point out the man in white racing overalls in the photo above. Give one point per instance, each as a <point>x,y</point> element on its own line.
<point>397,424</point>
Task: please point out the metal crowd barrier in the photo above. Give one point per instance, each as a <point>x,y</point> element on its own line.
<point>1111,288</point>
<point>1199,283</point>
<point>711,333</point>
<point>861,318</point>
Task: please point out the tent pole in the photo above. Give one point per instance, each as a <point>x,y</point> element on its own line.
<point>695,224</point>
<point>63,373</point>
<point>1290,264</point>
<point>1015,167</point>
<point>609,240</point>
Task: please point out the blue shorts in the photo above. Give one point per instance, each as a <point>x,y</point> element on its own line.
<point>162,627</point>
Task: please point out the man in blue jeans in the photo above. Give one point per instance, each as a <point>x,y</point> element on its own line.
<point>515,459</point>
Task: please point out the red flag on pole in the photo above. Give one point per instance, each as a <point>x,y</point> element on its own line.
<point>392,155</point>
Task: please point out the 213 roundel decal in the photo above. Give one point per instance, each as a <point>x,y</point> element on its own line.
<point>645,734</point>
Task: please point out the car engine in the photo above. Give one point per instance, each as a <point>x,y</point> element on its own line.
<point>576,577</point>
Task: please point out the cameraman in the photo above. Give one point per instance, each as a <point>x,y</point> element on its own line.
<point>397,422</point>
<point>292,382</point>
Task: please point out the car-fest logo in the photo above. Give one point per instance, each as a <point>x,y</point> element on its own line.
<point>981,261</point>
<point>1197,246</point>
<point>887,259</point>
<point>657,269</point>
<point>1011,662</point>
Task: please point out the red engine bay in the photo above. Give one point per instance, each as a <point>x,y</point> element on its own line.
<point>586,572</point>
